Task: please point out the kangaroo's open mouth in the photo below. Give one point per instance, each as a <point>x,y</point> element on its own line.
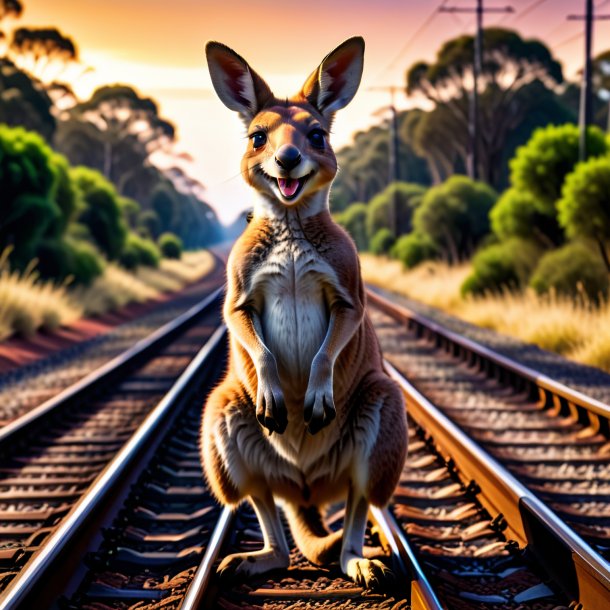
<point>291,187</point>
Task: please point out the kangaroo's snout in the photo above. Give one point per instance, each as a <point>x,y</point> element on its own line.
<point>288,156</point>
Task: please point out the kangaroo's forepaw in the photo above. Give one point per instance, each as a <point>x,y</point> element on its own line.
<point>370,573</point>
<point>271,411</point>
<point>319,409</point>
<point>240,566</point>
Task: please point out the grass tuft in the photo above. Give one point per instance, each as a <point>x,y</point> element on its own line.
<point>572,327</point>
<point>28,304</point>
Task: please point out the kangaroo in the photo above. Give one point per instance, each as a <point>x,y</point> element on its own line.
<point>306,414</point>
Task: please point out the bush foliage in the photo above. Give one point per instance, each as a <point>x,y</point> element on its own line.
<point>139,251</point>
<point>455,215</point>
<point>382,242</point>
<point>540,167</point>
<point>170,245</point>
<point>413,249</point>
<point>503,266</point>
<point>574,269</point>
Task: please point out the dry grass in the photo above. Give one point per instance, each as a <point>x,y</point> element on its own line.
<point>28,304</point>
<point>569,327</point>
<point>118,287</point>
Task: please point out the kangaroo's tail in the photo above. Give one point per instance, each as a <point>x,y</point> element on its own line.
<point>317,543</point>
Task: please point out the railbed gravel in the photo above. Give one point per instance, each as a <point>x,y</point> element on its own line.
<point>24,388</point>
<point>586,379</point>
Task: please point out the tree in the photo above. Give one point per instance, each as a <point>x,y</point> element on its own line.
<point>37,49</point>
<point>364,165</point>
<point>24,102</point>
<point>170,245</point>
<point>601,84</point>
<point>584,208</point>
<point>122,127</point>
<point>455,215</point>
<point>101,211</point>
<point>413,249</point>
<point>395,205</point>
<point>9,8</point>
<point>27,180</point>
<point>513,70</point>
<point>541,166</point>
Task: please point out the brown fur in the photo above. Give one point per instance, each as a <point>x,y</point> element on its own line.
<point>319,451</point>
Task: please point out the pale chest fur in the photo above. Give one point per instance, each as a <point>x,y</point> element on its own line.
<point>290,287</point>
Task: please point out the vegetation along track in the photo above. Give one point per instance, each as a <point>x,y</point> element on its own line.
<point>26,387</point>
<point>539,451</point>
<point>459,534</point>
<point>55,459</point>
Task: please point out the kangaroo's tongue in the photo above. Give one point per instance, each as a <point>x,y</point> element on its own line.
<point>288,186</point>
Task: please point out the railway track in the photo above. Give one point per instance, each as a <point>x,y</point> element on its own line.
<point>538,450</point>
<point>54,457</point>
<point>466,529</point>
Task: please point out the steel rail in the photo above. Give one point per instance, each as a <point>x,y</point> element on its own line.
<point>108,371</point>
<point>422,595</point>
<point>574,565</point>
<point>203,574</point>
<point>110,478</point>
<point>540,380</point>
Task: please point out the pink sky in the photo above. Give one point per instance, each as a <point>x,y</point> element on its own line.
<point>158,47</point>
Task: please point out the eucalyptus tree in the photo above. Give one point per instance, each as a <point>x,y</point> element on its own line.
<point>515,71</point>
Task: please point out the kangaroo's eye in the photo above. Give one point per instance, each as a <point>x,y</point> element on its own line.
<point>316,138</point>
<point>258,139</point>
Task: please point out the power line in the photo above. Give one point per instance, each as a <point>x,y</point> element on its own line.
<point>529,9</point>
<point>473,122</point>
<point>413,37</point>
<point>569,40</point>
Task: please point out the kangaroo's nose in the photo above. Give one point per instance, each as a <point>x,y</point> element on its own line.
<point>288,156</point>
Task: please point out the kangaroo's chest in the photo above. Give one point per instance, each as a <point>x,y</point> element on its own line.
<point>291,287</point>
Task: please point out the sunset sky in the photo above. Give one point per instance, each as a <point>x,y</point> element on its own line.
<point>158,46</point>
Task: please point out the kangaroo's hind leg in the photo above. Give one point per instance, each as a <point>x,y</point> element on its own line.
<point>235,455</point>
<point>275,552</point>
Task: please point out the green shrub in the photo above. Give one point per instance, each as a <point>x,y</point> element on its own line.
<point>65,258</point>
<point>148,223</point>
<point>413,249</point>
<point>382,242</point>
<point>517,214</point>
<point>139,251</point>
<point>170,245</point>
<point>27,181</point>
<point>507,265</point>
<point>455,215</point>
<point>379,210</point>
<point>571,269</point>
<point>540,166</point>
<point>101,211</point>
<point>584,209</point>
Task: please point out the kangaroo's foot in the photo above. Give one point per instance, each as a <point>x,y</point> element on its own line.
<point>275,554</point>
<point>243,565</point>
<point>367,573</point>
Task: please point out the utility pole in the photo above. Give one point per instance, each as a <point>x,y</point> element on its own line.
<point>585,117</point>
<point>394,148</point>
<point>473,119</point>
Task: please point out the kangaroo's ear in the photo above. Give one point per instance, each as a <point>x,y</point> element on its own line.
<point>238,86</point>
<point>334,83</point>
